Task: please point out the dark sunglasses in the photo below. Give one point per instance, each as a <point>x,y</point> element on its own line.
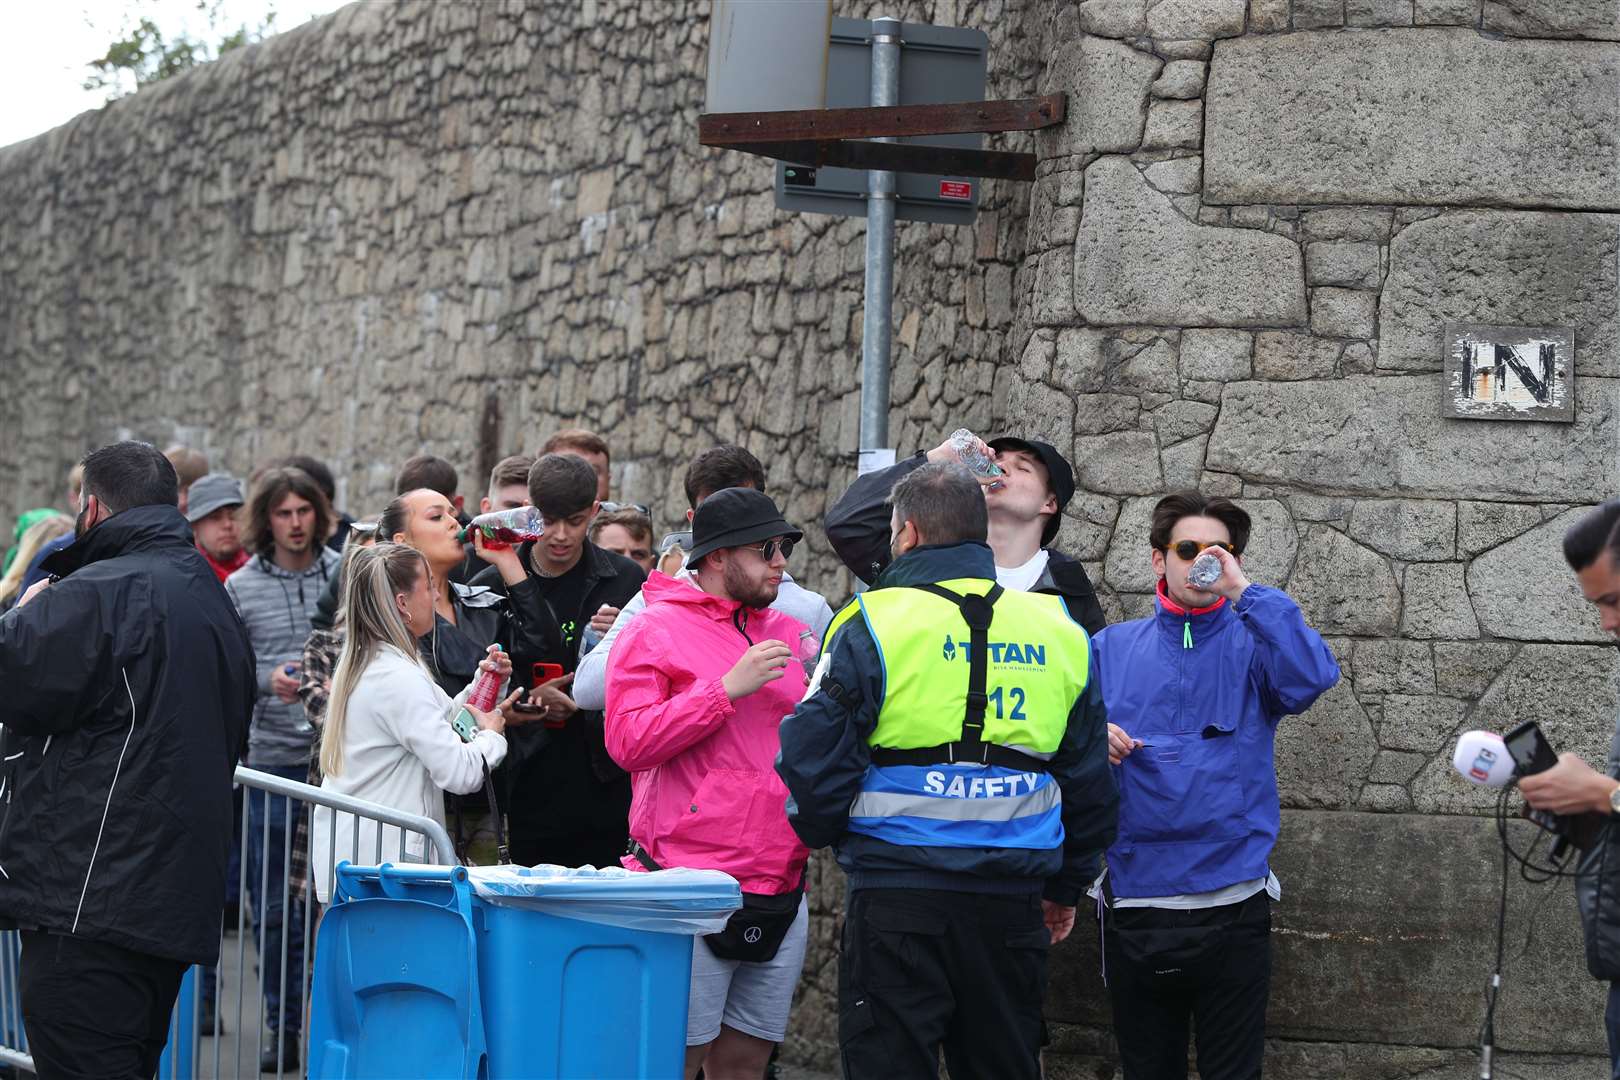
<point>1188,550</point>
<point>769,548</point>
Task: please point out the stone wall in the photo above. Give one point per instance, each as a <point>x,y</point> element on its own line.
<point>457,227</point>
<point>1243,247</point>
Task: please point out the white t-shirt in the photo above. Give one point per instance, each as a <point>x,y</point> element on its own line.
<point>1022,578</point>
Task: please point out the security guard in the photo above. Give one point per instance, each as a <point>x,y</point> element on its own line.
<point>953,749</point>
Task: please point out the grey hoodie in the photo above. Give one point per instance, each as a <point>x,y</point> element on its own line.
<point>276,605</point>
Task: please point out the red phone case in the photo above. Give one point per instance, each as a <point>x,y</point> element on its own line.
<point>545,673</point>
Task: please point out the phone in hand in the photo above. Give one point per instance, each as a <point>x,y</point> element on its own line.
<point>1532,753</point>
<point>1530,750</point>
<point>540,673</point>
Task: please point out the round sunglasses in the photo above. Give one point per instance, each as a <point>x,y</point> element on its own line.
<point>769,548</point>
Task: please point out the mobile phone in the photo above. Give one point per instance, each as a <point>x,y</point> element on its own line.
<point>464,723</point>
<point>1532,753</point>
<point>1530,750</point>
<point>545,673</point>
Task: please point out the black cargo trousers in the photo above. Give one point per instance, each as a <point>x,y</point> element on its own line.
<point>925,969</point>
<point>1210,966</point>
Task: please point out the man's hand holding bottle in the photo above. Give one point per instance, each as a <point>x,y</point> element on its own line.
<point>762,663</point>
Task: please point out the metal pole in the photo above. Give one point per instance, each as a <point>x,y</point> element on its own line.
<point>878,316</point>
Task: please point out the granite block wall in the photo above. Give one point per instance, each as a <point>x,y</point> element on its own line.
<point>458,227</point>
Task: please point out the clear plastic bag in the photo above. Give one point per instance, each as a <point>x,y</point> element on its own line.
<point>666,901</point>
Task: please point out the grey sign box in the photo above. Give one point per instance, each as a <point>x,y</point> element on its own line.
<point>767,55</point>
<point>938,65</point>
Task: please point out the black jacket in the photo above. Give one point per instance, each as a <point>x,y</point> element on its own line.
<point>858,526</point>
<point>561,781</point>
<point>1597,892</point>
<point>520,622</point>
<point>127,688</point>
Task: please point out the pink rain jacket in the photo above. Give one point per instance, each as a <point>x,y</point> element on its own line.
<point>706,794</point>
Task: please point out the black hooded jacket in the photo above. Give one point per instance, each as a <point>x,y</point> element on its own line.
<point>125,693</point>
<point>858,526</point>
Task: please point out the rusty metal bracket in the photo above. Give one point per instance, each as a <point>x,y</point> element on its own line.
<point>817,137</point>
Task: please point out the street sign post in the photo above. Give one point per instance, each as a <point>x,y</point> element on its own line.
<point>936,65</point>
<point>900,138</point>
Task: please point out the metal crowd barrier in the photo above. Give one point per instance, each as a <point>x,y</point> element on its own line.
<point>218,1051</point>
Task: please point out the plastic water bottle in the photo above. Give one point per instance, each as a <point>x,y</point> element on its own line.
<point>809,649</point>
<point>504,528</point>
<point>966,445</point>
<point>1205,571</point>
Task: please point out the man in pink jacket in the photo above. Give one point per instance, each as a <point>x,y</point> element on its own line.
<point>696,689</point>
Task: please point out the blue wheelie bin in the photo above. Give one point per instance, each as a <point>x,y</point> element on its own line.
<point>509,972</point>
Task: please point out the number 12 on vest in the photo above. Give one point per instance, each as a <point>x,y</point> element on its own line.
<point>1015,696</point>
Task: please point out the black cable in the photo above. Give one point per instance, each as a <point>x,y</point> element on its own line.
<point>1543,872</point>
<point>1536,874</point>
<point>1487,1033</point>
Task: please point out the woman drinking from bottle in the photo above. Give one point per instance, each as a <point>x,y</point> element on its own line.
<point>468,619</point>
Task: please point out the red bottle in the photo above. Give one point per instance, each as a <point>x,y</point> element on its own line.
<point>504,528</point>
<point>486,690</point>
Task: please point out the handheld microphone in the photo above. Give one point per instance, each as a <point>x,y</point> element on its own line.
<point>1482,758</point>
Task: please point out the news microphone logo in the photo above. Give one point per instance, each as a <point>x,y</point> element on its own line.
<point>1482,758</point>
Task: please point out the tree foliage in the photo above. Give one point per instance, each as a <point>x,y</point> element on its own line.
<point>144,54</point>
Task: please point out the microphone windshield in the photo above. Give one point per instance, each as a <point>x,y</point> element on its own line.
<point>1482,758</point>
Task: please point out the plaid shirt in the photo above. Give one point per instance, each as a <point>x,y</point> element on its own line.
<point>321,651</point>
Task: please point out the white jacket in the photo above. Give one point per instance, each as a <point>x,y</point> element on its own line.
<point>398,750</point>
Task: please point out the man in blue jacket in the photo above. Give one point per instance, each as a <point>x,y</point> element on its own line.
<point>1194,694</point>
<point>952,749</point>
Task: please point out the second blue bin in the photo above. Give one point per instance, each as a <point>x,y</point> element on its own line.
<point>562,974</point>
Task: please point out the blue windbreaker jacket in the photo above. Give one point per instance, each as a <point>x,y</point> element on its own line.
<point>1204,690</point>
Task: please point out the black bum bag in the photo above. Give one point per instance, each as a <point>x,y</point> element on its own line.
<point>755,931</point>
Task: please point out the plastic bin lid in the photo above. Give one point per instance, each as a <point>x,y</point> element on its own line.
<point>668,901</point>
<point>680,889</point>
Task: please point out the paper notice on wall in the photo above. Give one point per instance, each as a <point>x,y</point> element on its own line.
<point>873,460</point>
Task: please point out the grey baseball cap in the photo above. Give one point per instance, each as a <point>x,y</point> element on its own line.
<point>212,492</point>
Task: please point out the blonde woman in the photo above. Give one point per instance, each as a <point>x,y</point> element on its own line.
<point>36,536</point>
<point>387,737</point>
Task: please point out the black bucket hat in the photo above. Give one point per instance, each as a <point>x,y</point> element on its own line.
<point>1059,476</point>
<point>734,517</point>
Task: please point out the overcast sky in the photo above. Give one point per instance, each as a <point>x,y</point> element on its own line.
<point>54,41</point>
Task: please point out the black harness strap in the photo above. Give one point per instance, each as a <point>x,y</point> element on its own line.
<point>977,611</point>
<point>641,855</point>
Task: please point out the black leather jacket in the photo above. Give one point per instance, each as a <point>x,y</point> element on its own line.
<point>1597,893</point>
